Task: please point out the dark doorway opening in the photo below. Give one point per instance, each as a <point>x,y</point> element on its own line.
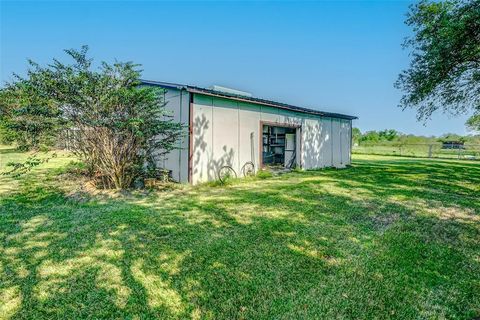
<point>279,146</point>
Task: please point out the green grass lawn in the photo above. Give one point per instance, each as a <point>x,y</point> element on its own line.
<point>386,238</point>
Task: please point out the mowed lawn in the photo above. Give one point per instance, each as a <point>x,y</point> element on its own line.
<point>386,238</point>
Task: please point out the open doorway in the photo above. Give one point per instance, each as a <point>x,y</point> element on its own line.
<point>279,146</point>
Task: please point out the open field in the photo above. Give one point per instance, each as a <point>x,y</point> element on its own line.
<point>470,152</point>
<point>387,238</point>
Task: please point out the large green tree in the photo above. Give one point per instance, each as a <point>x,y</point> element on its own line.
<point>445,69</point>
<point>115,125</point>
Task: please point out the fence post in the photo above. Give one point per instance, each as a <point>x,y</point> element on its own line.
<point>430,150</point>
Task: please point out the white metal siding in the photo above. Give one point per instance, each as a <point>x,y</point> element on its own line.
<point>177,159</point>
<point>223,130</point>
<point>249,133</point>
<point>336,144</point>
<point>312,129</point>
<point>225,142</point>
<point>202,169</point>
<point>326,143</point>
<point>345,138</point>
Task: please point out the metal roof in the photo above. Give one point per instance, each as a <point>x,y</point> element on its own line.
<point>210,92</point>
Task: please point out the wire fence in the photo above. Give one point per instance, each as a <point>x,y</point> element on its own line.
<point>433,150</point>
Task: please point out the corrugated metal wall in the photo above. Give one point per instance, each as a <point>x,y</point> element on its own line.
<point>223,129</point>
<point>178,103</point>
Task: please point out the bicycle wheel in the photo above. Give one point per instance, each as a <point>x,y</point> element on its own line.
<point>225,173</point>
<point>248,169</point>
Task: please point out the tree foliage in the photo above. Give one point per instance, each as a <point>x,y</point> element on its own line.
<point>377,136</point>
<point>388,134</point>
<point>26,118</point>
<point>19,168</point>
<point>445,69</point>
<point>473,123</point>
<point>356,135</point>
<point>451,137</point>
<point>115,125</point>
<point>370,136</point>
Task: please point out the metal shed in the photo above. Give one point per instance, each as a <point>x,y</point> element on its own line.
<point>231,128</point>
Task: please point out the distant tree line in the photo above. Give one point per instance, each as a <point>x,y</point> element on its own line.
<point>393,136</point>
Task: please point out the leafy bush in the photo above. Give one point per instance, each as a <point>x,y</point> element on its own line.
<point>117,126</point>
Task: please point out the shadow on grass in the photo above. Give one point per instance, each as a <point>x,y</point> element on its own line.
<point>357,243</point>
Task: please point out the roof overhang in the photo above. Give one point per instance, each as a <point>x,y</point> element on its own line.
<point>210,92</point>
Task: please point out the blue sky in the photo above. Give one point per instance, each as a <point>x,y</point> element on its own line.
<point>332,56</point>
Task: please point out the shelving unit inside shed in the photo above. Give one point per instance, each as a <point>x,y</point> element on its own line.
<point>275,146</point>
